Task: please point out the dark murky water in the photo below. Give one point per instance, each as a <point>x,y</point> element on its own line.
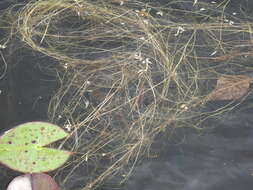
<point>25,92</point>
<point>216,160</point>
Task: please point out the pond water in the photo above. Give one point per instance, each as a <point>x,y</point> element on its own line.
<point>218,159</point>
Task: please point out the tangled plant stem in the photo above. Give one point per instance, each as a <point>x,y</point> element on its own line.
<point>127,73</point>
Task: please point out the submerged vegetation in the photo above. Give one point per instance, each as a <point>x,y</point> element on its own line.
<point>129,71</point>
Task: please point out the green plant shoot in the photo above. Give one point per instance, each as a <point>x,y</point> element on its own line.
<point>21,148</point>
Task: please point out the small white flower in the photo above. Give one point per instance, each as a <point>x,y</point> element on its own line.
<point>87,103</point>
<point>3,46</point>
<point>180,30</point>
<point>202,9</point>
<point>213,53</point>
<point>142,71</point>
<point>65,66</point>
<point>68,127</point>
<point>147,61</point>
<point>86,157</point>
<point>184,107</point>
<point>159,13</point>
<point>231,22</point>
<point>138,56</point>
<point>145,21</point>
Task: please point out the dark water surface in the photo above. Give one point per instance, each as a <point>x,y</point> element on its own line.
<point>219,159</point>
<point>25,92</point>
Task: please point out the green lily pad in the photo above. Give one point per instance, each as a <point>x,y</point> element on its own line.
<point>21,148</point>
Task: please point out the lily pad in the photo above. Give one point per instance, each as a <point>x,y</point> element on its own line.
<point>21,148</point>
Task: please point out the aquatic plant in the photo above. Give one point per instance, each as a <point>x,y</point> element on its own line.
<point>21,148</point>
<point>130,71</point>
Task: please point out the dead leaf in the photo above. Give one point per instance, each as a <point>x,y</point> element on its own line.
<point>41,181</point>
<point>35,181</point>
<point>230,87</point>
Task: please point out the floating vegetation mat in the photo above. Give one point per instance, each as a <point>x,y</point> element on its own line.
<point>131,70</point>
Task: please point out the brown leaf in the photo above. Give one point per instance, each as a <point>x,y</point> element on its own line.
<point>35,181</point>
<point>230,87</point>
<point>41,181</point>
